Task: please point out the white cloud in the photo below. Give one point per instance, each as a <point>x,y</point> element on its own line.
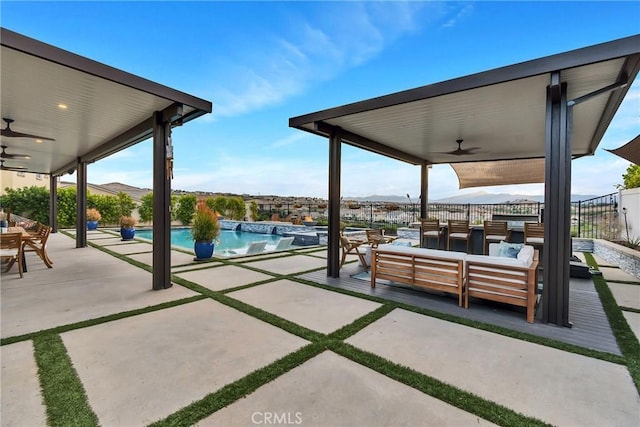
<point>284,65</point>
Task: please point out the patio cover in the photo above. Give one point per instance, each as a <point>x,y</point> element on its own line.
<point>91,110</point>
<point>557,108</point>
<point>503,172</point>
<point>630,151</point>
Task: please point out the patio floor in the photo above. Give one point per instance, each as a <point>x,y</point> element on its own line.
<point>307,349</point>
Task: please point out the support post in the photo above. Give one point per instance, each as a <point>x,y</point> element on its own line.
<point>53,203</point>
<point>333,244</point>
<point>81,204</point>
<point>161,202</point>
<point>557,211</point>
<point>424,190</point>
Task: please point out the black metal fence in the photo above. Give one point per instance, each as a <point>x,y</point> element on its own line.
<point>595,218</point>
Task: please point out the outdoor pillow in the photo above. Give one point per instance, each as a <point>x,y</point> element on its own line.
<point>510,250</point>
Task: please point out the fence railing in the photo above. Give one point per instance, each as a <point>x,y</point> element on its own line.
<point>593,218</point>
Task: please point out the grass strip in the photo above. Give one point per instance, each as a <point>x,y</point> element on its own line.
<point>361,323</point>
<point>122,257</point>
<point>272,319</point>
<point>626,339</point>
<point>228,394</point>
<point>560,345</point>
<point>99,320</point>
<point>466,401</point>
<point>62,390</point>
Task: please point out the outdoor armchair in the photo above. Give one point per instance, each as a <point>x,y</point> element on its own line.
<point>352,247</point>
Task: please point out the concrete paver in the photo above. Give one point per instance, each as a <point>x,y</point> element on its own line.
<point>224,277</point>
<point>602,262</point>
<point>291,264</point>
<point>315,394</point>
<point>625,295</point>
<point>84,283</point>
<point>177,258</point>
<point>21,403</point>
<point>141,369</point>
<point>616,274</point>
<point>556,386</point>
<point>318,309</point>
<point>633,319</point>
<point>130,248</point>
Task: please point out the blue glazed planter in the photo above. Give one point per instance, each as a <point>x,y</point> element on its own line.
<point>203,250</point>
<point>127,233</point>
<point>92,225</point>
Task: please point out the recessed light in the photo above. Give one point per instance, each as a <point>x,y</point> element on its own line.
<point>38,141</point>
<point>62,106</point>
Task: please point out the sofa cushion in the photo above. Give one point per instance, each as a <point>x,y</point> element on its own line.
<point>497,260</point>
<point>526,254</point>
<point>422,251</point>
<point>509,250</point>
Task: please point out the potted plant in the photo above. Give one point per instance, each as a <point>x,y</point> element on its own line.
<point>204,230</point>
<point>127,227</point>
<point>93,216</point>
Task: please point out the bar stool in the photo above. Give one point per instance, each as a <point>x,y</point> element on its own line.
<point>430,229</point>
<point>534,236</point>
<point>458,230</point>
<point>494,231</point>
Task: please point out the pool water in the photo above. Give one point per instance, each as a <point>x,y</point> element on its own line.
<point>227,240</point>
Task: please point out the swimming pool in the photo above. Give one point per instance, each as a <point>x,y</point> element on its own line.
<point>227,240</point>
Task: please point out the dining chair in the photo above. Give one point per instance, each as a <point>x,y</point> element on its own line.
<point>11,250</point>
<point>38,243</point>
<point>430,229</point>
<point>494,232</point>
<point>458,230</point>
<point>376,237</point>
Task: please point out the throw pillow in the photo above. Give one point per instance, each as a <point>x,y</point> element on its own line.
<point>510,250</point>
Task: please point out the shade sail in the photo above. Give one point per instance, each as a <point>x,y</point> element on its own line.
<point>630,151</point>
<point>504,172</point>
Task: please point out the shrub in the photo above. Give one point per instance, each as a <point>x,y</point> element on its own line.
<point>205,224</point>
<point>127,222</point>
<point>93,215</point>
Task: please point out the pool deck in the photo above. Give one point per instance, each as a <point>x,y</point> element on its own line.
<point>317,351</point>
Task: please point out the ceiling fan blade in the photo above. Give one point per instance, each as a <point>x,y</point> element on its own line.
<point>6,155</point>
<point>11,168</point>
<point>10,133</point>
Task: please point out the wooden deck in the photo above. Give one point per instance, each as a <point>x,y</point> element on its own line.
<point>590,325</point>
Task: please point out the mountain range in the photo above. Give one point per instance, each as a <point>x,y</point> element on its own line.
<point>480,197</point>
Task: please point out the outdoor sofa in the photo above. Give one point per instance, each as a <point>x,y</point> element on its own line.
<point>491,277</point>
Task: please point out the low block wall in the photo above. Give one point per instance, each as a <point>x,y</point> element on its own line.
<point>626,258</point>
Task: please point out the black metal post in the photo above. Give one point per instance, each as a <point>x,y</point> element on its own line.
<point>81,204</point>
<point>557,212</point>
<point>161,203</point>
<point>53,203</point>
<point>333,245</point>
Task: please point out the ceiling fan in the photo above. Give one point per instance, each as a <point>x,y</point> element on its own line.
<point>5,155</point>
<point>10,133</point>
<point>462,151</point>
<point>11,168</point>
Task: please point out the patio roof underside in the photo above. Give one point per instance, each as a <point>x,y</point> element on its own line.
<point>107,109</point>
<point>502,113</point>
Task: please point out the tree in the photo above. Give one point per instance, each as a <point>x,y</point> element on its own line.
<point>236,209</point>
<point>253,207</point>
<point>631,178</point>
<point>186,208</point>
<point>145,210</point>
<point>125,203</point>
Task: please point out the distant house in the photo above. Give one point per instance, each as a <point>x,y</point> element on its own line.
<point>16,179</point>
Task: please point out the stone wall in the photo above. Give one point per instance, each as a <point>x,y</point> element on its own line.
<point>626,258</point>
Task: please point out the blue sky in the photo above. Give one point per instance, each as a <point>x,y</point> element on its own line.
<point>261,63</point>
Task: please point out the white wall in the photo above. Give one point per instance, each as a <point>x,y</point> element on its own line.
<point>630,199</point>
